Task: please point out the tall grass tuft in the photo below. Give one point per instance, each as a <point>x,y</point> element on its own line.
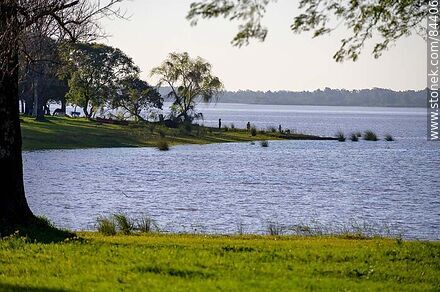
<point>264,143</point>
<point>124,224</point>
<point>389,138</point>
<point>354,137</point>
<point>106,226</point>
<point>274,229</point>
<point>147,225</point>
<point>370,136</point>
<point>253,131</point>
<point>163,145</point>
<point>340,136</point>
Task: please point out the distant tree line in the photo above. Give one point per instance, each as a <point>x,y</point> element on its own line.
<point>328,97</point>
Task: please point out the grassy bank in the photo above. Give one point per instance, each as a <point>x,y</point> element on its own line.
<point>69,133</point>
<point>160,262</point>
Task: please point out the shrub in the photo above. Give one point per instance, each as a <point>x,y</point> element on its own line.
<point>232,126</point>
<point>264,143</point>
<point>162,145</point>
<point>340,136</point>
<point>253,131</point>
<point>147,225</point>
<point>354,137</point>
<point>124,224</point>
<point>274,229</point>
<point>358,134</point>
<point>106,226</point>
<point>370,136</point>
<point>388,137</point>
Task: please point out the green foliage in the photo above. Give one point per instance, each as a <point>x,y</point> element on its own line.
<point>370,136</point>
<point>253,131</point>
<point>163,145</point>
<point>124,223</point>
<point>390,20</point>
<point>136,96</point>
<point>106,226</point>
<point>94,73</point>
<point>340,136</point>
<point>190,80</point>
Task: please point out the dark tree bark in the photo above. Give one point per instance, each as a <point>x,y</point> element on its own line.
<point>13,205</point>
<point>39,103</point>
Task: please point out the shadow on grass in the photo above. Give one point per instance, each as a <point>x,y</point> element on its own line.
<point>37,230</point>
<point>12,287</point>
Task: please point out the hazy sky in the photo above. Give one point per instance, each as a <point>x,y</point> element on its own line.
<point>285,61</point>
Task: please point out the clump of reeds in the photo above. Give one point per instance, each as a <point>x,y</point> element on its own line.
<point>124,223</point>
<point>106,226</point>
<point>370,136</point>
<point>354,137</point>
<point>340,136</point>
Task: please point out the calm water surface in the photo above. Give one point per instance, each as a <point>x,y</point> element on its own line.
<point>213,188</point>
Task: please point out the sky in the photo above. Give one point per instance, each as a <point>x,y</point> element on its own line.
<point>285,61</point>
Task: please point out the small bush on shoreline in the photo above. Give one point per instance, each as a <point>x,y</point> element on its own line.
<point>163,145</point>
<point>354,137</point>
<point>370,136</point>
<point>124,224</point>
<point>340,136</point>
<point>106,226</point>
<point>253,131</point>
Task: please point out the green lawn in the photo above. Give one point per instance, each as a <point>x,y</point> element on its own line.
<point>161,262</point>
<point>69,133</point>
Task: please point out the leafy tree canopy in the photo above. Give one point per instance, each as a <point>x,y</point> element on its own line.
<point>190,80</point>
<point>95,71</point>
<point>137,96</point>
<point>389,19</point>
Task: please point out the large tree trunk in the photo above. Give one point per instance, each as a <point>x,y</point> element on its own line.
<point>13,206</point>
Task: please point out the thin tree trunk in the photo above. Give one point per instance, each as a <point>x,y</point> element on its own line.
<point>13,205</point>
<point>38,100</point>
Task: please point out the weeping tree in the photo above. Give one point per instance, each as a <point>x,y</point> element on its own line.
<point>138,98</point>
<point>95,71</point>
<point>67,19</point>
<point>191,81</point>
<point>388,19</point>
